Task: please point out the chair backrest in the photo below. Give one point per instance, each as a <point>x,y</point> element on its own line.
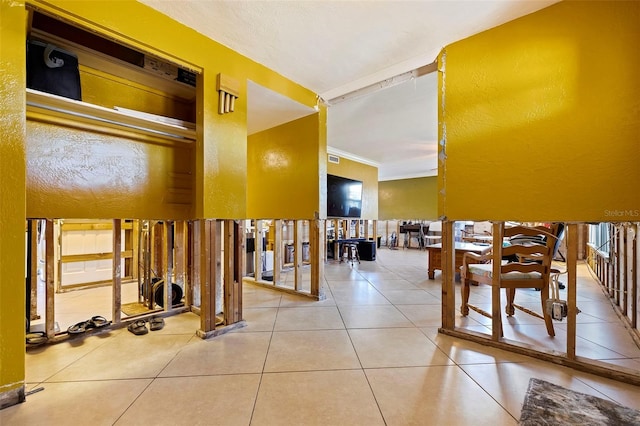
<point>533,248</point>
<point>435,227</point>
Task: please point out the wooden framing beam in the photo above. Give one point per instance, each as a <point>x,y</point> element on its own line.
<point>210,236</point>
<point>32,264</point>
<point>258,252</point>
<point>297,254</point>
<point>117,272</point>
<point>496,307</point>
<point>49,279</point>
<point>318,251</point>
<point>277,252</point>
<point>448,276</point>
<point>572,288</point>
<point>232,272</point>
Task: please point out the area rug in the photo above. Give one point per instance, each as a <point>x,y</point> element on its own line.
<point>549,404</point>
<point>135,308</point>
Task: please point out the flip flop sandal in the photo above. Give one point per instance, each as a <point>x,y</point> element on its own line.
<point>79,328</point>
<point>156,324</point>
<point>36,338</point>
<point>138,327</point>
<point>98,322</point>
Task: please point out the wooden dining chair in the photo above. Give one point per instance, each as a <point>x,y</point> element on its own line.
<point>525,262</point>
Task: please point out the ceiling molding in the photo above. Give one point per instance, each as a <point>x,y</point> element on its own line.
<point>351,157</point>
<point>428,173</point>
<point>384,84</point>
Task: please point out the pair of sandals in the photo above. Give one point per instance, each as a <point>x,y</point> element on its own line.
<point>139,327</point>
<point>35,338</point>
<point>97,321</point>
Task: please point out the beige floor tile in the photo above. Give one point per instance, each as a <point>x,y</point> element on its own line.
<point>294,300</point>
<point>394,284</point>
<point>364,294</point>
<point>622,393</point>
<point>442,395</point>
<point>311,350</point>
<point>126,356</point>
<point>422,315</point>
<point>610,335</point>
<point>207,400</point>
<point>258,297</point>
<point>396,347</point>
<point>316,398</point>
<point>467,352</point>
<point>185,323</point>
<point>410,297</point>
<point>309,318</point>
<point>43,362</point>
<point>380,316</point>
<point>231,353</point>
<point>507,383</point>
<point>77,403</point>
<point>258,319</point>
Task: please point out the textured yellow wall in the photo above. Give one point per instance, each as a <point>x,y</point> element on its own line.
<point>220,160</point>
<point>539,117</point>
<point>12,198</point>
<point>219,156</point>
<point>408,199</point>
<point>369,177</point>
<point>95,174</point>
<point>283,170</point>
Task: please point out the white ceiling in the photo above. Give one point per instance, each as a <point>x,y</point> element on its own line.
<point>337,47</point>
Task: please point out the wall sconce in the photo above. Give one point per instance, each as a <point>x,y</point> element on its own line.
<point>229,90</point>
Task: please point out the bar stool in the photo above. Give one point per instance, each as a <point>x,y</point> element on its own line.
<point>351,252</point>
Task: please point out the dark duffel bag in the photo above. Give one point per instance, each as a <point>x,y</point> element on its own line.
<point>53,70</point>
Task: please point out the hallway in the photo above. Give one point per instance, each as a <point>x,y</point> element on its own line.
<point>369,354</point>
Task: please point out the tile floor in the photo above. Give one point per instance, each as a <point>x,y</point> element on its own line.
<point>369,354</point>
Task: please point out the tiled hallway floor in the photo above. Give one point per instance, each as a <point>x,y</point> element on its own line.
<point>369,354</point>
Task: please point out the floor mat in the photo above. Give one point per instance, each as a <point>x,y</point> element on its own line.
<point>135,308</point>
<point>549,404</point>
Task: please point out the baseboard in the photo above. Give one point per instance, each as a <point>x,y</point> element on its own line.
<point>12,397</point>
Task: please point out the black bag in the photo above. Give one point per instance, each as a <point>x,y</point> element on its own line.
<point>53,70</point>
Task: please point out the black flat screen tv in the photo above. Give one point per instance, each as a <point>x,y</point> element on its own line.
<point>344,197</point>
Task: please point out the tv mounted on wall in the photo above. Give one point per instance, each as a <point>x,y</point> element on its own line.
<point>344,197</point>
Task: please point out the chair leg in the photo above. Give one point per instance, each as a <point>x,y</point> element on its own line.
<point>511,295</point>
<point>464,289</point>
<point>548,321</point>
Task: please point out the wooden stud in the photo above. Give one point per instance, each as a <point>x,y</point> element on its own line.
<point>634,277</point>
<point>49,279</point>
<point>318,251</point>
<point>572,255</point>
<point>192,239</point>
<point>228,267</point>
<point>117,272</point>
<point>496,306</point>
<point>232,276</point>
<point>180,252</point>
<point>210,233</point>
<point>277,251</point>
<point>167,257</point>
<point>258,252</point>
<point>297,254</point>
<point>448,275</point>
<point>32,256</point>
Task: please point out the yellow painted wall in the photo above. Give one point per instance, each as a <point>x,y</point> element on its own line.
<point>12,198</point>
<point>220,153</point>
<point>408,199</point>
<point>283,170</point>
<point>540,117</point>
<point>369,177</point>
<point>81,174</point>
